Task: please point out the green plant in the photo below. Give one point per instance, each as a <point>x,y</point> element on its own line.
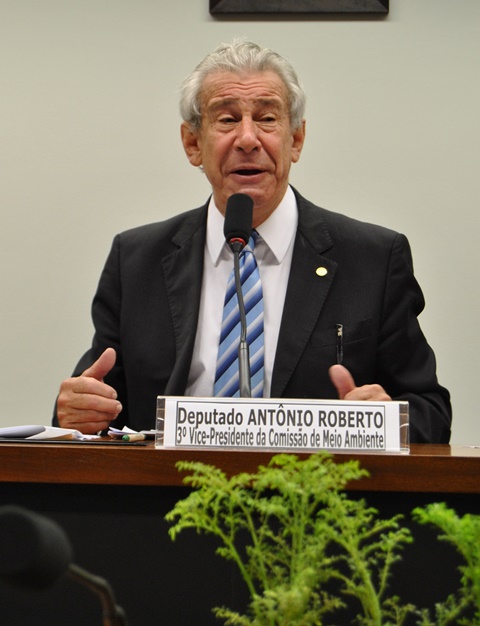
<point>310,549</point>
<point>306,551</point>
<point>464,534</point>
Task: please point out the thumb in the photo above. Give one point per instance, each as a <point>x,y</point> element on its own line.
<point>102,365</point>
<point>342,379</point>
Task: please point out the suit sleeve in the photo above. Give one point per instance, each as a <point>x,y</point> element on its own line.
<point>406,365</point>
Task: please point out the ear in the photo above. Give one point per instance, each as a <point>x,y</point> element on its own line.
<point>190,141</point>
<point>298,138</point>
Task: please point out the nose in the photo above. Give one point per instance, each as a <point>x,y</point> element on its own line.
<point>247,135</point>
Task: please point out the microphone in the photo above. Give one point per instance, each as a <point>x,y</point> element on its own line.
<point>237,229</point>
<point>35,552</point>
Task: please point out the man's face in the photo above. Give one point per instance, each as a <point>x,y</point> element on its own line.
<point>245,143</point>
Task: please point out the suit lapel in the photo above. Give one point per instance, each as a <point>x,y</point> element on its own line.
<point>183,270</point>
<point>311,276</point>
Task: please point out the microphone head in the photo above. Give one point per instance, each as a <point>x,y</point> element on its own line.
<point>34,550</point>
<point>238,219</point>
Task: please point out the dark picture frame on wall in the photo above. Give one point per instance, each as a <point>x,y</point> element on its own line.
<point>361,7</point>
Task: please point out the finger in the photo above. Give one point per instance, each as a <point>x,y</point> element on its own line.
<point>91,386</point>
<point>342,379</point>
<point>85,417</point>
<point>96,403</point>
<point>374,393</point>
<point>102,365</point>
<point>90,415</point>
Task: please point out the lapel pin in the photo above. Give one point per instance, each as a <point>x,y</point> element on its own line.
<point>321,271</point>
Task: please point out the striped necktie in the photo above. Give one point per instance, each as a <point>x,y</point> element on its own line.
<point>227,377</point>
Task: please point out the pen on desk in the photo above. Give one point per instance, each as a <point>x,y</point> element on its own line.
<point>134,437</point>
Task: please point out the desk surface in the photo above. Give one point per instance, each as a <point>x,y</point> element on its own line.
<point>427,468</point>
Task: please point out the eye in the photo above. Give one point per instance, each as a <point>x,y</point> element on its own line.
<point>226,119</point>
<point>268,120</point>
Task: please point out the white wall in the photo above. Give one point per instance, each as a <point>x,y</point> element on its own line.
<point>89,146</point>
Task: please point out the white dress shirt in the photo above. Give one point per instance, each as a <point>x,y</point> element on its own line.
<point>273,251</point>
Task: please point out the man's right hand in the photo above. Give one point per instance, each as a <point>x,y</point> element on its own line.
<point>85,402</point>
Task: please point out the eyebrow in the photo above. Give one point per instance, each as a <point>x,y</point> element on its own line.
<point>265,102</point>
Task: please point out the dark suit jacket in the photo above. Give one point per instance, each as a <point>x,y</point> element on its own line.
<point>146,307</point>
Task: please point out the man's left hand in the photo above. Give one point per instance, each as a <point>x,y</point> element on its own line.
<point>347,390</point>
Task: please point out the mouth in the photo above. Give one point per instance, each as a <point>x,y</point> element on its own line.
<point>248,172</point>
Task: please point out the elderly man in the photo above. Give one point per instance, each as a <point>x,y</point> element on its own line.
<point>335,290</point>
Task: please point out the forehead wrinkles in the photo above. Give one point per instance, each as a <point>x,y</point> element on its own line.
<point>222,89</point>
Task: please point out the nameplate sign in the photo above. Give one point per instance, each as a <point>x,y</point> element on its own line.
<point>281,424</point>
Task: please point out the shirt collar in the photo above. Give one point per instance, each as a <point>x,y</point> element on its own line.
<point>277,231</point>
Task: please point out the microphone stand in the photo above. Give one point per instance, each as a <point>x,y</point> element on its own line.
<point>113,615</point>
<point>243,351</point>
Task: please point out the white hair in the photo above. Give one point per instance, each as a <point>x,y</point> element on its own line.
<point>240,56</point>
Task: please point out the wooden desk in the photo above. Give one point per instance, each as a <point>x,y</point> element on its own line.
<point>111,500</point>
<point>427,468</point>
